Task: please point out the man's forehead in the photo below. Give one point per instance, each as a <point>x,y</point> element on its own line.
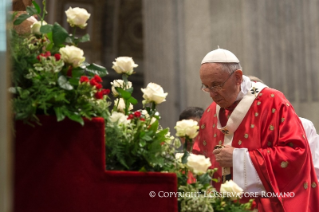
<point>212,69</point>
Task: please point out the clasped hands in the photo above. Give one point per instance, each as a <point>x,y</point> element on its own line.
<point>224,156</point>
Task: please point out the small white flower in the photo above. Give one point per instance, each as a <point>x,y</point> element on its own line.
<point>145,113</point>
<point>121,105</point>
<point>231,187</point>
<point>72,55</point>
<point>120,118</point>
<point>124,65</point>
<point>35,27</point>
<point>154,93</point>
<point>77,17</point>
<point>119,84</point>
<point>178,156</point>
<point>187,128</point>
<point>12,90</point>
<point>198,163</point>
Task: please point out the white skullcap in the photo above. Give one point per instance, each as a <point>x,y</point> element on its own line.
<point>220,56</point>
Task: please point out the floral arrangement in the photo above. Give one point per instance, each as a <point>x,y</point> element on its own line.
<point>51,77</point>
<point>50,73</point>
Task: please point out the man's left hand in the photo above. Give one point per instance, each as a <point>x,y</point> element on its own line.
<point>224,156</point>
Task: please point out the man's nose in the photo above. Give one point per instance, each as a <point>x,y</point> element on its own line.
<point>213,94</point>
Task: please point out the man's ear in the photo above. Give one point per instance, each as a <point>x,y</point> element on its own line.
<point>239,76</point>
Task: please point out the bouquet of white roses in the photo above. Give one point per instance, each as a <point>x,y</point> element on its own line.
<point>50,73</point>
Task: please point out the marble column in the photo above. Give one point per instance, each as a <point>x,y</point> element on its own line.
<point>5,115</point>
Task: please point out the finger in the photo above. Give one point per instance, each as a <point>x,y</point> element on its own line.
<point>216,151</point>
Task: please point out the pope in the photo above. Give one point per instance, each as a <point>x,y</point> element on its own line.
<point>264,147</point>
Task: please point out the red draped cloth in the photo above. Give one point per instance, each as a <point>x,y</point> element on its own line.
<point>60,167</point>
<point>278,148</point>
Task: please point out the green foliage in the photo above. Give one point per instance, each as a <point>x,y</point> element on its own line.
<point>41,83</point>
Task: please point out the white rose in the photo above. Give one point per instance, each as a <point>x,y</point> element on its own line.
<point>35,27</point>
<point>121,105</point>
<point>120,118</point>
<point>124,65</point>
<point>198,163</point>
<point>154,93</point>
<point>187,128</point>
<point>119,84</point>
<point>77,17</point>
<point>72,55</point>
<point>231,187</point>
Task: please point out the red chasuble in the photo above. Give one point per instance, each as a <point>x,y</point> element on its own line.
<point>278,148</point>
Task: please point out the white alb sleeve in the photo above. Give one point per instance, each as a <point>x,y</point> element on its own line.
<point>244,172</point>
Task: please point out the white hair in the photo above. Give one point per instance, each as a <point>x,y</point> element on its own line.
<point>230,67</point>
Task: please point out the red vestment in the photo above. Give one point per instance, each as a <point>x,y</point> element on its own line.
<point>277,145</point>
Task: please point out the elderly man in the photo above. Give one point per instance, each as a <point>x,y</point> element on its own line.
<point>265,147</point>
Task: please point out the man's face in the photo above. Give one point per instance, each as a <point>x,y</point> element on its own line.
<point>211,74</point>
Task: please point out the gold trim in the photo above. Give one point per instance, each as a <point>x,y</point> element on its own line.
<point>271,127</point>
<point>208,110</point>
<point>258,103</point>
<point>272,95</point>
<point>256,114</point>
<point>273,110</point>
<point>313,184</point>
<point>239,142</point>
<point>287,104</point>
<point>284,164</point>
<point>282,119</point>
<point>246,135</point>
<point>260,94</point>
<point>252,125</point>
<point>305,185</point>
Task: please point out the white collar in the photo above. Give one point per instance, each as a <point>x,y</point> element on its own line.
<point>244,87</point>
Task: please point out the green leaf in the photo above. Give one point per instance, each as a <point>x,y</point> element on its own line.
<point>132,100</point>
<point>96,69</point>
<point>78,72</point>
<point>130,90</point>
<point>74,80</point>
<point>154,127</point>
<point>147,138</point>
<point>21,18</point>
<point>32,11</point>
<point>124,94</point>
<point>75,117</point>
<point>85,38</point>
<point>69,40</point>
<point>37,7</point>
<point>185,156</point>
<point>204,179</point>
<point>59,34</point>
<point>142,143</point>
<point>63,83</point>
<point>58,111</point>
<point>45,29</point>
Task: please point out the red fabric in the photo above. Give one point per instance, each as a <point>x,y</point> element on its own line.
<point>60,167</point>
<point>277,136</point>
